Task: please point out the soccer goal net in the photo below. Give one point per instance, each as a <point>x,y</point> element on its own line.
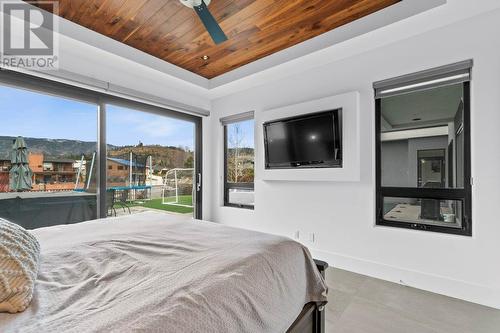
<point>178,187</point>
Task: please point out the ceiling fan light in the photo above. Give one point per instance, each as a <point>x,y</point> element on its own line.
<point>210,23</point>
<point>194,3</point>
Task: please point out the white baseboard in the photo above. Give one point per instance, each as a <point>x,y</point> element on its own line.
<point>434,283</point>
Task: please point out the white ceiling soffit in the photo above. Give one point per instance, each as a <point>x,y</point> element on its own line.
<point>93,84</point>
<point>92,38</point>
<point>434,106</point>
<point>414,133</point>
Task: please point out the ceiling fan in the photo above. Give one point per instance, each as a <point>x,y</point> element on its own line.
<point>213,28</point>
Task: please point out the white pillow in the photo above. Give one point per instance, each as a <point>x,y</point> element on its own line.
<point>19,257</point>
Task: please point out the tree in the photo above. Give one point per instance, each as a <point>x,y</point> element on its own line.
<point>235,140</point>
<point>247,175</point>
<point>189,163</point>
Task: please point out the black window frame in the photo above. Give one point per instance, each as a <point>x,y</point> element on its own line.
<point>102,100</point>
<point>236,186</point>
<point>463,195</point>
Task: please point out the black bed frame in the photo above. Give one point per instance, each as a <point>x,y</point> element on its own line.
<point>312,317</point>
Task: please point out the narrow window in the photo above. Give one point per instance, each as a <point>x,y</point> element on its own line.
<point>423,178</point>
<point>239,161</point>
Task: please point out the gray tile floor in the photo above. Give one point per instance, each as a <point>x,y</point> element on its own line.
<point>361,304</point>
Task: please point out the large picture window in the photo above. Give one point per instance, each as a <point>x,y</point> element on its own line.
<point>48,153</point>
<point>239,161</point>
<point>423,154</point>
<point>70,154</point>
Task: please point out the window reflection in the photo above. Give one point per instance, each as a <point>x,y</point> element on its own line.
<point>421,139</point>
<point>423,211</point>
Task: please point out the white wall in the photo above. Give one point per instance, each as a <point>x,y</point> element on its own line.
<point>341,214</point>
<point>89,61</point>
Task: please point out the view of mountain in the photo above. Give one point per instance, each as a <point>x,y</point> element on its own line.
<point>163,157</point>
<point>50,147</point>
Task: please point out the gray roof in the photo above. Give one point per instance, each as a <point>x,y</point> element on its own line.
<point>58,160</point>
<point>126,162</point>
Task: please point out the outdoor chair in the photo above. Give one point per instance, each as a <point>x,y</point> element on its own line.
<point>110,202</point>
<point>122,200</point>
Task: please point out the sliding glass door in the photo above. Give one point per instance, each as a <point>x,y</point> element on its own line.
<point>69,155</point>
<point>150,162</point>
<point>48,148</point>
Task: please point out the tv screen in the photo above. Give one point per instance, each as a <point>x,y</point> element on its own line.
<point>310,141</point>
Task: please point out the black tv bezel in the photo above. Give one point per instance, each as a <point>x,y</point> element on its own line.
<point>336,163</point>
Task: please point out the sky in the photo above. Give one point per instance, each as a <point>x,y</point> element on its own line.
<point>246,133</point>
<point>28,114</point>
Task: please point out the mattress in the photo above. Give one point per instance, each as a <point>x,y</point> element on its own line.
<point>153,272</point>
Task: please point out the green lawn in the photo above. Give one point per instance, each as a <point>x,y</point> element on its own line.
<point>157,204</point>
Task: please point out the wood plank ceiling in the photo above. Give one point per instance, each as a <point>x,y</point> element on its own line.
<point>173,32</point>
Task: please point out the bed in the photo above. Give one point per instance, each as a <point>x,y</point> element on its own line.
<point>153,272</point>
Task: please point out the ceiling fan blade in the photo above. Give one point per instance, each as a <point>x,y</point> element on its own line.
<point>210,23</point>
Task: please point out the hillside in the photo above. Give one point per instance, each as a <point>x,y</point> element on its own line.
<point>163,157</point>
<point>242,151</point>
<point>50,147</point>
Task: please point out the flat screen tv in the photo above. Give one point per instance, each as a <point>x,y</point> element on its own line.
<point>308,141</point>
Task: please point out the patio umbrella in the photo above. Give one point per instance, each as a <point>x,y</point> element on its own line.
<point>20,173</point>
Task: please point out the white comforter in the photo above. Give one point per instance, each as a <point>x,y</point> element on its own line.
<point>153,272</point>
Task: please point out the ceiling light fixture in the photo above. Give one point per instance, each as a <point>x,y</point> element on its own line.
<point>201,9</point>
<point>205,58</point>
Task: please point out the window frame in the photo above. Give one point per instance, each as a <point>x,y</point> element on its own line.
<point>229,186</point>
<point>47,86</point>
<point>464,195</point>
